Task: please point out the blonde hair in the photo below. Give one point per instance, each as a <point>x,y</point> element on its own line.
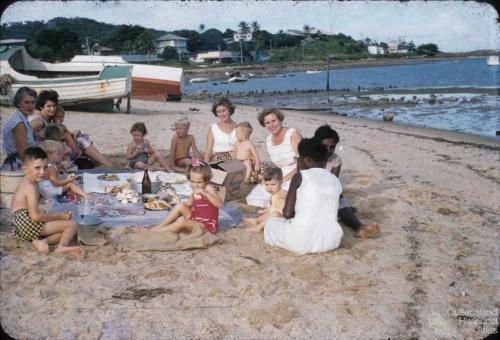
<point>246,126</point>
<point>50,146</point>
<point>59,111</point>
<point>183,121</point>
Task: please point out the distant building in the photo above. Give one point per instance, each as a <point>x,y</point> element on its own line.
<point>395,47</point>
<point>215,57</point>
<point>12,42</point>
<point>141,59</point>
<point>374,49</point>
<point>172,40</point>
<point>102,50</point>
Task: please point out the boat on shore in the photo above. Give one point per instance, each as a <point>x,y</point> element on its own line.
<point>493,60</point>
<point>75,85</point>
<point>237,79</point>
<point>198,80</point>
<point>149,82</point>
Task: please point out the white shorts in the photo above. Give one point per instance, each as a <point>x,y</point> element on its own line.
<point>47,190</point>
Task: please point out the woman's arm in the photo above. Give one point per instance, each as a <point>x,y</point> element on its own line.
<point>36,215</point>
<point>21,139</point>
<point>291,197</point>
<point>336,170</point>
<point>295,140</point>
<point>196,152</point>
<point>210,145</point>
<point>52,174</point>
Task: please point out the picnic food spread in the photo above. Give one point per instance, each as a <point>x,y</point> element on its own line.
<point>106,177</point>
<point>156,204</point>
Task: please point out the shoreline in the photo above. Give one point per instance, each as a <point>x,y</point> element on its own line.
<point>289,67</point>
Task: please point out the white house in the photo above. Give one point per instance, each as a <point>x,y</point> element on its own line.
<point>217,56</point>
<point>374,49</point>
<point>394,47</point>
<point>172,40</point>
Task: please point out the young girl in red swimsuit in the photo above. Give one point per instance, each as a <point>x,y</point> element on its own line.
<point>202,209</point>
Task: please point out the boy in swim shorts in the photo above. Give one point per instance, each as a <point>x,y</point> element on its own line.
<point>181,143</point>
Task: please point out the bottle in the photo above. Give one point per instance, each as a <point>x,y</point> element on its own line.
<point>146,183</point>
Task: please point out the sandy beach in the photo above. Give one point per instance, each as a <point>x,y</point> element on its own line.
<point>431,273</point>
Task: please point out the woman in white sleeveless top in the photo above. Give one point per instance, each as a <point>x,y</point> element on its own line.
<point>281,146</point>
<point>310,214</point>
<point>221,136</point>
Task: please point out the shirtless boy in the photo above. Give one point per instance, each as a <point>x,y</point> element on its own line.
<point>181,143</point>
<point>244,150</point>
<point>32,225</point>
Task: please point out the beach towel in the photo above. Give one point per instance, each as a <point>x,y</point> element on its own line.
<point>123,239</point>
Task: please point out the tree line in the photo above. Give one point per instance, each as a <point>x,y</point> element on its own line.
<point>61,38</point>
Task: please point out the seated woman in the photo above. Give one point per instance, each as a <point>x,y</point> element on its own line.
<point>281,145</point>
<point>221,136</point>
<point>17,134</point>
<point>310,214</point>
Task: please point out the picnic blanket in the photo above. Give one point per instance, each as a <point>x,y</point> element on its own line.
<point>124,239</point>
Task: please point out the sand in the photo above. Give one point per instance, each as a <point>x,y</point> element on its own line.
<point>432,272</point>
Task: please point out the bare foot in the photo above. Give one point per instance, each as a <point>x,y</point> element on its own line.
<point>368,231</point>
<point>69,250</point>
<point>250,221</point>
<point>255,229</point>
<point>41,245</point>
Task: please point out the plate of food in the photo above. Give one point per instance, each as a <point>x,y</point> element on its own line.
<point>156,204</point>
<point>173,178</point>
<point>107,177</point>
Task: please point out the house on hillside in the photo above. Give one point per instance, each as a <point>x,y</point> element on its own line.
<point>215,57</point>
<point>375,49</point>
<point>101,50</point>
<point>172,40</point>
<point>395,47</point>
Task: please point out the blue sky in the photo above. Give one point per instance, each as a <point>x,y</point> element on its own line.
<point>453,25</point>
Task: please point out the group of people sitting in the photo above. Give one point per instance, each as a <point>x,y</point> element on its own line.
<point>300,194</point>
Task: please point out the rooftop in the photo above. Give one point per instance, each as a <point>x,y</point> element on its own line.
<point>170,36</point>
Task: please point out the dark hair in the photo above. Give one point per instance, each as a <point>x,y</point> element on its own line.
<point>54,132</point>
<point>139,126</point>
<point>326,132</point>
<point>203,169</point>
<point>24,91</point>
<point>313,148</point>
<point>45,96</point>
<point>266,112</point>
<point>223,102</point>
<point>33,153</point>
<point>273,173</point>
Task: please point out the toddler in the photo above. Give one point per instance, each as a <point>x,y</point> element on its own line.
<point>140,152</point>
<point>273,178</point>
<point>29,223</point>
<point>202,208</point>
<point>55,132</point>
<point>51,186</point>
<point>181,143</point>
<point>330,138</point>
<point>245,151</point>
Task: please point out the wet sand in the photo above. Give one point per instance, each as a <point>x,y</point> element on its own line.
<point>429,274</point>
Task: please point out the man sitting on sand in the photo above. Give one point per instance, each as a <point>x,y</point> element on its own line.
<point>29,223</point>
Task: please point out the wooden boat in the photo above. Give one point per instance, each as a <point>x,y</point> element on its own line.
<point>493,60</point>
<point>149,82</point>
<point>237,79</point>
<point>312,71</point>
<point>75,85</point>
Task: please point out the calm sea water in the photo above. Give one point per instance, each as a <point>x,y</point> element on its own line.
<point>480,116</point>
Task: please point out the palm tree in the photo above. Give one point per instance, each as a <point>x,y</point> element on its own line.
<point>255,26</point>
<point>145,43</point>
<point>244,27</point>
<point>201,28</point>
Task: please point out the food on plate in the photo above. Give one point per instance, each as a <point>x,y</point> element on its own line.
<point>106,177</point>
<point>156,204</point>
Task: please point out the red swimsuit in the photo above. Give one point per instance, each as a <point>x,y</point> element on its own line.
<point>206,213</point>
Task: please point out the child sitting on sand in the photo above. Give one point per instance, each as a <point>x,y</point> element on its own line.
<point>244,150</point>
<point>201,210</point>
<point>55,132</point>
<point>273,178</point>
<point>140,152</point>
<point>181,143</point>
<point>29,223</point>
<point>51,186</point>
<point>330,138</point>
